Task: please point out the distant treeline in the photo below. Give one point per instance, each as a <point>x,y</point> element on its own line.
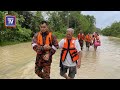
<point>113,30</point>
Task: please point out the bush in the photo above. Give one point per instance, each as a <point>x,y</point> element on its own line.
<point>15,35</point>
<point>59,35</point>
<point>23,34</point>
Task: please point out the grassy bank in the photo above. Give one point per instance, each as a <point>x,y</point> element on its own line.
<point>15,42</point>
<point>11,43</point>
<point>18,42</point>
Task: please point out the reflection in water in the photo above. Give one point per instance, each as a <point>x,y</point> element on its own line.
<point>17,61</point>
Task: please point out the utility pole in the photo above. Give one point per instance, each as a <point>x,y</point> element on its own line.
<point>68,18</point>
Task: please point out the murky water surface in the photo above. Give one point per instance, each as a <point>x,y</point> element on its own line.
<point>17,61</point>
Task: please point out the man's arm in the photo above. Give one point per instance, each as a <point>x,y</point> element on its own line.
<point>35,46</point>
<point>79,53</point>
<point>54,45</point>
<point>79,60</point>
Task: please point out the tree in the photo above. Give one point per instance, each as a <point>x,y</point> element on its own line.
<point>92,22</point>
<point>113,30</point>
<point>35,21</point>
<point>27,18</point>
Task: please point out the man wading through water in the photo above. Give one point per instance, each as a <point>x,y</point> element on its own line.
<point>45,45</point>
<point>81,38</point>
<point>70,57</point>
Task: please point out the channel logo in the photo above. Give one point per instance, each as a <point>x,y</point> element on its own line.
<point>10,21</point>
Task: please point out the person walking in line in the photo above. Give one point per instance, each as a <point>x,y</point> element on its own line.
<point>81,38</point>
<point>88,40</point>
<point>45,45</point>
<point>96,41</point>
<point>70,58</point>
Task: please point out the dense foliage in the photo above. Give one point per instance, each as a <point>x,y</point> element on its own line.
<point>113,30</point>
<point>27,24</point>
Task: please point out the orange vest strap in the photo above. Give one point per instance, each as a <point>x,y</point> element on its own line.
<point>69,47</point>
<point>48,39</point>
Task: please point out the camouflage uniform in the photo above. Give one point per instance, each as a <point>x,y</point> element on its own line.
<point>42,67</point>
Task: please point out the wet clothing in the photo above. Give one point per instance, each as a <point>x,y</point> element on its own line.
<point>88,44</point>
<point>81,43</point>
<point>42,67</point>
<point>72,71</point>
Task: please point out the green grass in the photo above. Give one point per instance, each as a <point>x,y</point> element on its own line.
<point>59,39</point>
<point>17,42</point>
<point>11,43</point>
<point>118,36</point>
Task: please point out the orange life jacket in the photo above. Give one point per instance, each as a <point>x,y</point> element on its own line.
<point>88,38</point>
<point>81,37</point>
<point>48,39</point>
<point>71,49</point>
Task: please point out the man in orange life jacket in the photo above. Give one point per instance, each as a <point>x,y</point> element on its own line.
<point>45,45</point>
<point>88,40</point>
<point>81,38</point>
<point>70,55</point>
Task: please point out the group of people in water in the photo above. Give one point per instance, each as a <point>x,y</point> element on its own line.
<point>90,40</point>
<point>45,44</point>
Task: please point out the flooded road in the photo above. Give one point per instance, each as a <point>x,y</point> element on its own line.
<point>18,61</point>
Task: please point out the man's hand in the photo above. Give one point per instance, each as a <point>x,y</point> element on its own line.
<point>38,48</point>
<point>46,57</point>
<point>46,47</point>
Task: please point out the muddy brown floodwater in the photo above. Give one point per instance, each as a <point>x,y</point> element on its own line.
<point>18,61</point>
